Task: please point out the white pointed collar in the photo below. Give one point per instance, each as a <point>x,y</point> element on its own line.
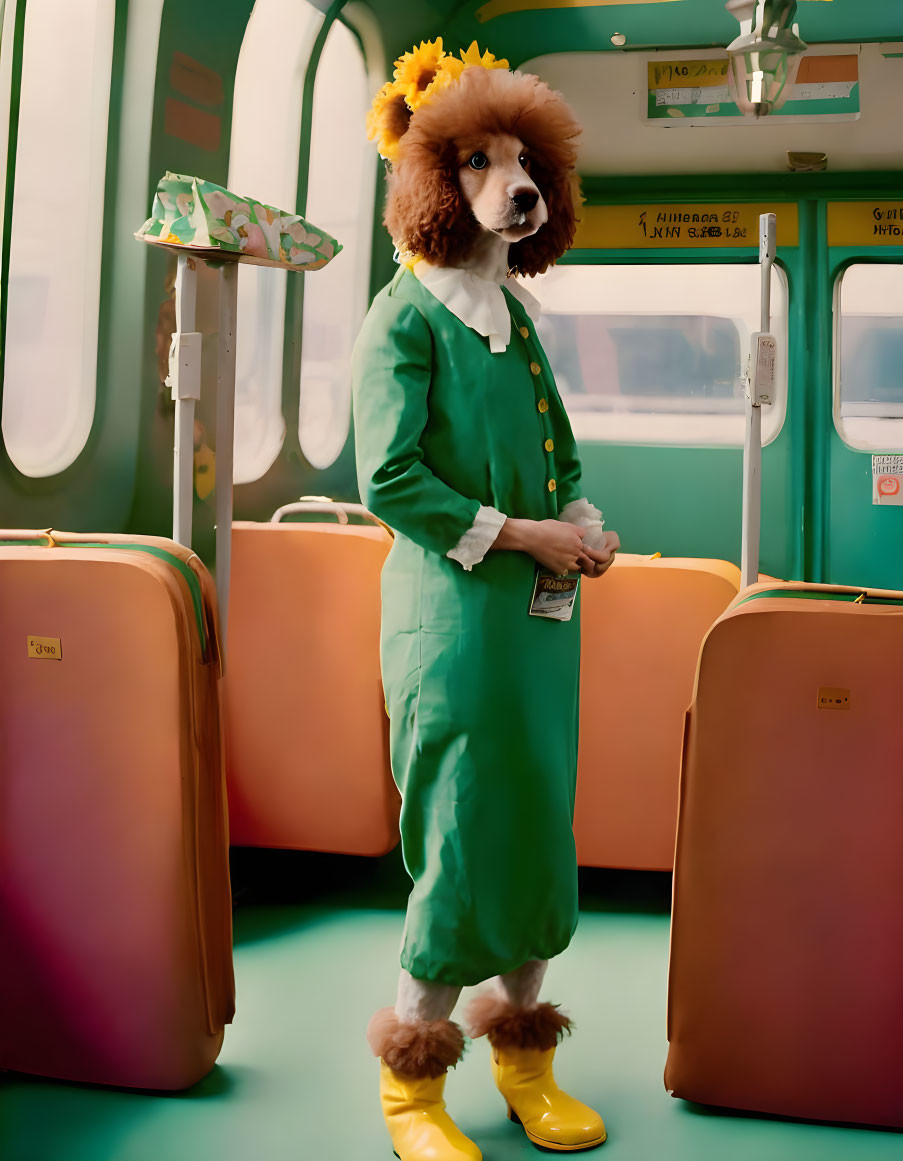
<point>478,302</point>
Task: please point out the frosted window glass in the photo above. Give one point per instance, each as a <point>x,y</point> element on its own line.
<point>657,354</point>
<point>57,231</point>
<point>869,356</point>
<point>340,201</point>
<point>263,163</point>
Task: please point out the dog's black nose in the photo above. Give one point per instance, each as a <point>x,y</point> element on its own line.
<point>525,200</point>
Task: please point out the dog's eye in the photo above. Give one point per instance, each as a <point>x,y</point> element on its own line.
<point>478,161</point>
<point>524,160</point>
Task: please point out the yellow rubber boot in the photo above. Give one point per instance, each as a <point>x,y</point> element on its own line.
<point>549,1116</point>
<point>420,1128</point>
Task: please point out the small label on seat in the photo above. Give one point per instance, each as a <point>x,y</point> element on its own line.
<point>831,697</point>
<point>45,648</point>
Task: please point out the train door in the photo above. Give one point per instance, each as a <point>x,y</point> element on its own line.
<point>859,521</point>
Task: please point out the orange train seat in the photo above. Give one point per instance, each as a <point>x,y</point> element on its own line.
<point>787,929</point>
<point>642,626</point>
<point>307,751</point>
<point>115,908</point>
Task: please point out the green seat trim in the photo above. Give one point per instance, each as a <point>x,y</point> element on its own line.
<point>861,598</point>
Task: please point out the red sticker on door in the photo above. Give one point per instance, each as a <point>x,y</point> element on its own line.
<point>887,480</point>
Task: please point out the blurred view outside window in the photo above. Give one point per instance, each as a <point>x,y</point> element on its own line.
<point>53,302</point>
<point>264,158</point>
<point>340,201</point>
<point>657,354</point>
<point>868,355</point>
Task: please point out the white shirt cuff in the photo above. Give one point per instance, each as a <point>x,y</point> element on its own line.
<point>479,538</point>
<point>585,515</point>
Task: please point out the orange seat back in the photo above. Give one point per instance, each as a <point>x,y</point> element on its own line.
<point>643,624</point>
<point>787,930</point>
<point>307,753</point>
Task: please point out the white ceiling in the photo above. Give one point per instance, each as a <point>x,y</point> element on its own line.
<point>608,91</point>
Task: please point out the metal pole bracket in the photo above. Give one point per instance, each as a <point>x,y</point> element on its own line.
<point>185,365</point>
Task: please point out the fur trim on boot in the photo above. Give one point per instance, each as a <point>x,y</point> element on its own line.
<point>541,1027</point>
<point>419,1049</point>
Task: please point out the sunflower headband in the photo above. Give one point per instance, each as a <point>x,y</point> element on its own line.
<point>419,75</point>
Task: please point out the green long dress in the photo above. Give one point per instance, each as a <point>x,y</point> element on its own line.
<point>482,697</point>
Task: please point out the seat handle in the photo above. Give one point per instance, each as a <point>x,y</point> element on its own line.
<point>339,509</point>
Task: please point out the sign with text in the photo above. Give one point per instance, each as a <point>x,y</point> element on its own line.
<point>682,92</point>
<point>649,227</point>
<point>865,223</point>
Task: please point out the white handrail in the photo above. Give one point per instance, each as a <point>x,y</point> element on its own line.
<point>752,448</point>
<point>337,508</point>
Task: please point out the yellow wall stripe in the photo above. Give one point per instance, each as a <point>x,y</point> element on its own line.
<point>657,226</point>
<point>865,223</point>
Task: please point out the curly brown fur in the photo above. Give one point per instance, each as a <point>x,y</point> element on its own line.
<point>423,1048</point>
<point>541,1027</point>
<point>425,212</point>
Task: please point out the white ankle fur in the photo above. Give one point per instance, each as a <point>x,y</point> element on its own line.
<point>424,1000</point>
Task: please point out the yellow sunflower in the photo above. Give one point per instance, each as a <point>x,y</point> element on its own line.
<point>447,72</point>
<point>416,69</point>
<point>388,119</point>
<point>472,58</point>
<point>419,76</point>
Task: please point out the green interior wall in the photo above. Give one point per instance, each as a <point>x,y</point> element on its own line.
<point>214,43</point>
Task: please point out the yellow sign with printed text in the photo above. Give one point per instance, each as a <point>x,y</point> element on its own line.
<point>865,223</point>
<point>688,227</point>
<point>687,74</point>
<point>45,648</point>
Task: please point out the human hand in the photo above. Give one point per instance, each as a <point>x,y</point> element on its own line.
<point>593,562</point>
<point>556,545</point>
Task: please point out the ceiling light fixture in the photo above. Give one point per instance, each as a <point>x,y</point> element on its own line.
<point>764,59</point>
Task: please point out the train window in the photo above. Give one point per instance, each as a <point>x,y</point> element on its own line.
<point>340,200</point>
<point>868,355</point>
<point>263,163</point>
<point>55,241</point>
<point>655,353</point>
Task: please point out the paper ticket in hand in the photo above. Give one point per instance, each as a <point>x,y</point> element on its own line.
<point>553,596</point>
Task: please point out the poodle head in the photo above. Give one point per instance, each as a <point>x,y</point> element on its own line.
<point>494,151</point>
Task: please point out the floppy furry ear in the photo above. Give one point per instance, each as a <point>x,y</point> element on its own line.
<point>559,187</point>
<point>425,212</point>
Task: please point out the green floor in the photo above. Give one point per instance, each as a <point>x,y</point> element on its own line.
<point>316,946</point>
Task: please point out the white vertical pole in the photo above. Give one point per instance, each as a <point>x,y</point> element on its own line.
<point>752,449</point>
<point>185,379</point>
<point>225,435</point>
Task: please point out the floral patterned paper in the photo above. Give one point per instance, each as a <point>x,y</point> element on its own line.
<point>189,211</point>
